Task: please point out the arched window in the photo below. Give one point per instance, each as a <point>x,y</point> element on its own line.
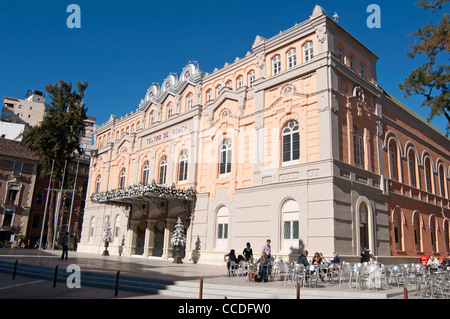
<point>291,142</point>
<point>92,229</point>
<point>364,225</point>
<point>209,95</point>
<point>230,84</point>
<point>290,230</point>
<point>412,168</point>
<point>182,174</point>
<point>152,117</point>
<point>189,101</point>
<point>417,234</point>
<point>433,233</point>
<point>427,167</point>
<point>442,180</point>
<point>240,82</point>
<point>308,51</point>
<point>398,232</point>
<point>225,157</point>
<point>218,90</point>
<point>358,146</point>
<point>291,58</point>
<point>122,178</point>
<point>169,110</point>
<point>222,228</point>
<point>251,78</point>
<point>98,184</point>
<point>393,160</point>
<point>276,65</point>
<point>163,170</point>
<point>116,229</point>
<point>447,235</point>
<point>145,173</point>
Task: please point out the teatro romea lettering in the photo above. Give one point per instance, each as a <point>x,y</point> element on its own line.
<point>159,137</point>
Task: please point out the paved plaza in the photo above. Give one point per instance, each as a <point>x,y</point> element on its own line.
<point>182,281</point>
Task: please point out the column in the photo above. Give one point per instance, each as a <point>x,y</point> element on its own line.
<point>168,231</point>
<point>149,244</point>
<point>130,247</point>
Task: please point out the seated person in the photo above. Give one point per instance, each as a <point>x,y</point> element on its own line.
<point>264,264</point>
<point>231,258</point>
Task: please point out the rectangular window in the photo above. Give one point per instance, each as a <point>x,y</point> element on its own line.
<point>287,230</point>
<point>295,230</point>
<point>222,231</point>
<point>8,215</point>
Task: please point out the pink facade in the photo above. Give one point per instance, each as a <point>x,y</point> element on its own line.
<point>285,143</point>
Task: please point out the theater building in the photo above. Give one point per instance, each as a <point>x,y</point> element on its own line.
<point>296,142</point>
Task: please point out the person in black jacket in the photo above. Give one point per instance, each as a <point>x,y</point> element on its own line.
<point>65,246</point>
<point>302,259</point>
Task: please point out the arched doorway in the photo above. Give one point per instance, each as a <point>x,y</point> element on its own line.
<point>140,236</point>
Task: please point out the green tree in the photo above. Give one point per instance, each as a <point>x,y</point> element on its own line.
<point>432,78</point>
<point>57,137</point>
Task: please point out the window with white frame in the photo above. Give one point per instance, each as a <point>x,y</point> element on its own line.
<point>308,51</point>
<point>251,78</point>
<point>122,178</point>
<point>169,110</point>
<point>225,157</point>
<point>230,84</point>
<point>117,229</point>
<point>291,142</point>
<point>189,101</point>
<point>276,65</point>
<point>152,118</point>
<point>290,225</point>
<point>292,58</point>
<point>240,82</point>
<point>222,228</point>
<point>209,95</point>
<point>8,217</point>
<point>163,170</point>
<point>145,173</point>
<point>98,184</point>
<point>183,169</point>
<point>92,229</point>
<point>218,90</point>
<point>358,146</point>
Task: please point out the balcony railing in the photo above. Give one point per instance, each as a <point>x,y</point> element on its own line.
<point>398,188</point>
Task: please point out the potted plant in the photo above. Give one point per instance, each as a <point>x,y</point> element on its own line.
<point>195,256</point>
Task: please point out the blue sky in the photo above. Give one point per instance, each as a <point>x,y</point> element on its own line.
<point>125,46</point>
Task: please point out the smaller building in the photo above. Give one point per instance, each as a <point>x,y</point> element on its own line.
<point>29,111</point>
<point>18,167</point>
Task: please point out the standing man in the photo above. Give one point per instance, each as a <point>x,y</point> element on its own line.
<point>267,249</point>
<point>65,246</point>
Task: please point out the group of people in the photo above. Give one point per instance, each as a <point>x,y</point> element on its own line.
<point>247,255</point>
<point>264,261</point>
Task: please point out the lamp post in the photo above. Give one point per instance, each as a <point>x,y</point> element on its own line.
<point>107,237</point>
